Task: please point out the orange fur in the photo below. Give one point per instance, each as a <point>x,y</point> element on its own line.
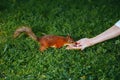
<point>47,40</point>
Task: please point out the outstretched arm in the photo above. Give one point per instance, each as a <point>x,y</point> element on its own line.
<point>110,33</point>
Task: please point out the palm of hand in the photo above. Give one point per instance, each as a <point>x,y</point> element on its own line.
<point>80,44</point>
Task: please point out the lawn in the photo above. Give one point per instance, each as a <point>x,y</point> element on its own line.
<point>20,59</point>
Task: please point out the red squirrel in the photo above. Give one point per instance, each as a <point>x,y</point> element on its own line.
<point>45,41</point>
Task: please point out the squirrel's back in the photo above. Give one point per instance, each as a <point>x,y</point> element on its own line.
<point>55,41</point>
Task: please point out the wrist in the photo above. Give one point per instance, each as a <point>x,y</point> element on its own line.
<point>93,41</point>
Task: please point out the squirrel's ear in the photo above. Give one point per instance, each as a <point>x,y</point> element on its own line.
<point>68,37</point>
<point>68,34</point>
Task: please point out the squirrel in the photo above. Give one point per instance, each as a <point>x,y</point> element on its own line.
<point>45,41</point>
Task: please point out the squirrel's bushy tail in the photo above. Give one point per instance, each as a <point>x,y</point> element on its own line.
<point>26,30</point>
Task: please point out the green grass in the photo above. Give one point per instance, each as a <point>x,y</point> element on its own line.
<point>20,59</point>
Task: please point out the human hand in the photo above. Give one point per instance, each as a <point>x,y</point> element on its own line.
<point>81,44</point>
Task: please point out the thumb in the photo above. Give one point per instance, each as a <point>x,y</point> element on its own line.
<point>77,48</point>
<point>83,47</point>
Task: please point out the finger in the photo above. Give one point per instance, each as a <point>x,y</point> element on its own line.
<point>77,48</point>
<point>68,47</point>
<point>73,47</point>
<point>77,42</point>
<point>83,47</point>
<point>78,45</point>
